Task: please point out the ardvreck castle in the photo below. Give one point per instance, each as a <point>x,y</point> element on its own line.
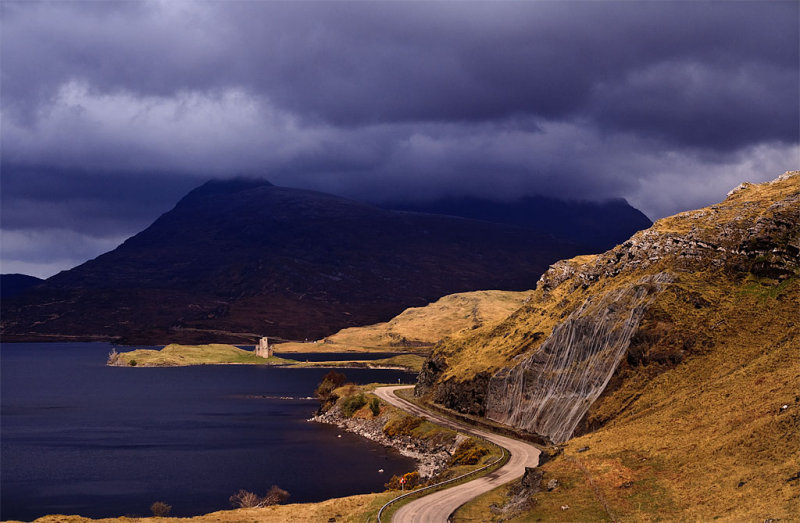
<point>263,348</point>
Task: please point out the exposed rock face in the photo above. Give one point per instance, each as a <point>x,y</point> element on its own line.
<point>431,371</point>
<point>466,396</point>
<point>653,299</point>
<point>550,391</point>
<point>740,235</point>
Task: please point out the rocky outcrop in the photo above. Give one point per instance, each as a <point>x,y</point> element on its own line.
<point>520,494</point>
<point>550,391</point>
<point>739,235</point>
<point>432,457</point>
<point>467,396</point>
<point>554,357</point>
<point>431,370</point>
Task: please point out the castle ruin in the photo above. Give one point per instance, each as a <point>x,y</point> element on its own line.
<point>263,348</point>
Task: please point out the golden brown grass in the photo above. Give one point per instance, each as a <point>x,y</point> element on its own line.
<point>348,510</point>
<point>424,326</point>
<point>706,439</point>
<point>419,328</point>
<point>494,346</point>
<point>742,204</point>
<point>703,420</point>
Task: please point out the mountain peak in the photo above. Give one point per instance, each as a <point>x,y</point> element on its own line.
<point>227,186</point>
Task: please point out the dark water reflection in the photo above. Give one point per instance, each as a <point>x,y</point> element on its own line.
<point>78,437</point>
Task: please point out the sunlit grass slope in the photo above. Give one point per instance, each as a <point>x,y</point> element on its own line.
<point>691,246</point>
<point>424,326</point>
<point>717,436</point>
<point>701,419</point>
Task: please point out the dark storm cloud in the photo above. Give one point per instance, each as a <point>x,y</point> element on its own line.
<point>366,63</point>
<point>99,204</point>
<point>106,104</point>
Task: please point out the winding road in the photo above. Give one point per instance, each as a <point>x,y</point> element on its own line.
<point>438,507</point>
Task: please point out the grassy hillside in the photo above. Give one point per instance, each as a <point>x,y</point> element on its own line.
<point>416,327</point>
<point>707,438</point>
<point>701,418</point>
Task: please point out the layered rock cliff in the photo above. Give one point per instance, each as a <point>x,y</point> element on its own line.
<point>598,327</point>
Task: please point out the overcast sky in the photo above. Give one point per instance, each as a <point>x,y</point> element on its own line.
<point>111,111</point>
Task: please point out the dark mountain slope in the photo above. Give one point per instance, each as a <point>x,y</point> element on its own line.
<point>598,226</point>
<point>14,284</point>
<point>248,257</point>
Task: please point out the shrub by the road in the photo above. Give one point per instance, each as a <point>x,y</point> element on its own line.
<point>246,499</point>
<point>401,426</point>
<point>352,404</point>
<point>160,509</point>
<point>324,392</point>
<point>375,406</point>
<point>411,481</point>
<point>468,453</point>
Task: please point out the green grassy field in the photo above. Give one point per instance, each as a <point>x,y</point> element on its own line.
<point>175,355</point>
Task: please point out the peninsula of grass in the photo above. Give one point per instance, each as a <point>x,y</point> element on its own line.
<point>175,355</point>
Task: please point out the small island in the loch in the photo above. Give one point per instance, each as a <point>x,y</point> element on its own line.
<point>176,355</point>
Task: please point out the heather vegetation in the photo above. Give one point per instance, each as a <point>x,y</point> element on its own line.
<point>325,390</point>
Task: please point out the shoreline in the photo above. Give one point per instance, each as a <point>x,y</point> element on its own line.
<point>430,461</point>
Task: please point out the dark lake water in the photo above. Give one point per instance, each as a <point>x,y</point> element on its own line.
<point>77,437</point>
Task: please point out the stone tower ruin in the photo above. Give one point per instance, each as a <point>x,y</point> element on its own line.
<point>263,348</point>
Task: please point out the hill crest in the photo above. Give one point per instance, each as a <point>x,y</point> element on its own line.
<point>678,346</point>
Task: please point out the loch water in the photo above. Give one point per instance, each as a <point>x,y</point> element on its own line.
<point>78,437</point>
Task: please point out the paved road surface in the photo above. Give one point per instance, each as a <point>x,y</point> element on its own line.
<point>438,506</point>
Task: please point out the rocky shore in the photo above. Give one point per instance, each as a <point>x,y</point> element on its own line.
<point>432,457</point>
